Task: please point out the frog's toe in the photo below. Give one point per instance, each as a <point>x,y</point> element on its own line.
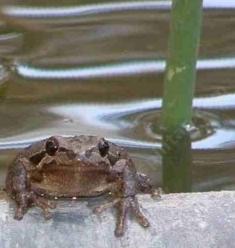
<point>44,204</point>
<point>22,205</point>
<point>119,231</point>
<point>51,204</point>
<point>105,206</point>
<point>126,204</point>
<point>19,213</point>
<point>47,214</point>
<point>138,214</point>
<point>157,194</point>
<point>122,207</point>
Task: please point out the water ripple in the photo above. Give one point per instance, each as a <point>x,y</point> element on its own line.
<point>10,42</point>
<point>4,75</point>
<point>128,124</point>
<point>102,8</point>
<point>118,69</point>
<point>93,9</point>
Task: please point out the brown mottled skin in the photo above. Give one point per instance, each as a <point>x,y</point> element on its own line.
<point>75,167</point>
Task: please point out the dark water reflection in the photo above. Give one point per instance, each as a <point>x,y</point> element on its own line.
<point>98,69</point>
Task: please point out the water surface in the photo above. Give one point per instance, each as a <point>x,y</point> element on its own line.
<point>96,67</point>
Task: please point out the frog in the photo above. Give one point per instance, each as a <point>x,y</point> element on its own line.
<point>75,167</point>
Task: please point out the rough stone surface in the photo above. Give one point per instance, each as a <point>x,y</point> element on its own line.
<point>177,220</point>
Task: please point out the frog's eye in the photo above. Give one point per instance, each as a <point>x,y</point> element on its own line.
<point>103,147</point>
<point>52,146</point>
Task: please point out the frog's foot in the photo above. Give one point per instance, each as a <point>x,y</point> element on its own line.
<point>156,194</point>
<point>26,199</point>
<point>123,206</point>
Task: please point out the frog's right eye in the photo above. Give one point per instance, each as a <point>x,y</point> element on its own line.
<point>52,146</point>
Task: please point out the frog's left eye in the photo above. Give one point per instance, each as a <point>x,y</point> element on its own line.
<point>103,147</point>
<point>52,146</point>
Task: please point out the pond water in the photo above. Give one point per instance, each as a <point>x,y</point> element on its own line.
<point>97,67</point>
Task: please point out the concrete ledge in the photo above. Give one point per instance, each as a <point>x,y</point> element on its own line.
<point>177,220</point>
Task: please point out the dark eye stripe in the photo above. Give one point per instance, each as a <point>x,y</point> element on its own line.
<point>35,159</point>
<point>62,149</point>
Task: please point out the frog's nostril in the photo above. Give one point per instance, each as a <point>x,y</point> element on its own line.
<point>103,147</point>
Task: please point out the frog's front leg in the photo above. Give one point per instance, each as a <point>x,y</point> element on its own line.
<point>126,204</point>
<point>18,186</point>
<point>124,189</point>
<point>126,175</point>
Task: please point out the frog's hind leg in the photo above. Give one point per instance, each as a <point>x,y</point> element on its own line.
<point>18,187</point>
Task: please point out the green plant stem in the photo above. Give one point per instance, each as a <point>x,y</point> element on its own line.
<point>181,64</point>
<point>178,94</point>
